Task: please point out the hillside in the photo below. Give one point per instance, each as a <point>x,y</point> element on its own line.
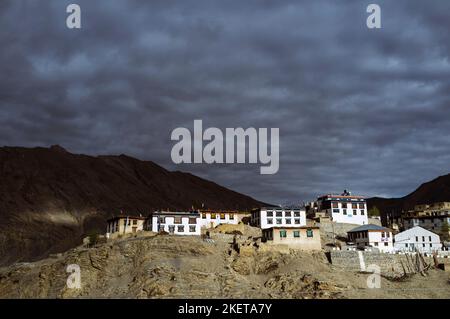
<point>437,190</point>
<point>50,198</point>
<point>162,266</point>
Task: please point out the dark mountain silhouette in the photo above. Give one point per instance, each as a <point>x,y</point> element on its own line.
<point>437,190</point>
<point>50,198</point>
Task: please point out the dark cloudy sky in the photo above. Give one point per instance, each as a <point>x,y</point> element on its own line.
<point>362,109</point>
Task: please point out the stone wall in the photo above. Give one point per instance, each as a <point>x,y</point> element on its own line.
<point>390,264</point>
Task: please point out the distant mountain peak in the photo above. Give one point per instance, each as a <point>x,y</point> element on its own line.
<point>58,148</point>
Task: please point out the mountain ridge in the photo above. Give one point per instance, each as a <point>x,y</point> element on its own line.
<point>435,190</point>
<point>51,198</point>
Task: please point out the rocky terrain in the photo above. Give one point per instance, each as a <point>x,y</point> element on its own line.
<point>50,198</point>
<point>229,266</point>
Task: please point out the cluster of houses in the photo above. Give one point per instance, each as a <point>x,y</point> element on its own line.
<point>297,227</point>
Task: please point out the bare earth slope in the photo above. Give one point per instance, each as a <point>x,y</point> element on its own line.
<point>187,267</point>
<point>50,198</point>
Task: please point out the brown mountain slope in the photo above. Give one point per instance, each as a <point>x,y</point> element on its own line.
<point>437,190</point>
<point>50,198</point>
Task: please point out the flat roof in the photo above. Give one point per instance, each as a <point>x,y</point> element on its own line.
<point>369,227</point>
<point>343,196</point>
<point>427,216</point>
<point>293,227</point>
<point>191,213</point>
<point>126,216</point>
<point>222,211</point>
<point>279,208</point>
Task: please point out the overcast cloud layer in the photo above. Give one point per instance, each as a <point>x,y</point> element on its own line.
<point>366,110</point>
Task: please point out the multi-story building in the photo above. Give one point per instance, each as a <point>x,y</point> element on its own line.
<point>124,224</point>
<point>213,218</point>
<point>177,223</point>
<point>432,217</point>
<point>296,237</point>
<point>343,208</point>
<point>266,217</point>
<point>417,239</point>
<point>370,235</point>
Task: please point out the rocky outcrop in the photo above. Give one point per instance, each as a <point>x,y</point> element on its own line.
<point>163,266</point>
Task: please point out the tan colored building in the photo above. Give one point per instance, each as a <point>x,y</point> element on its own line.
<point>302,237</point>
<point>124,224</point>
<point>432,217</point>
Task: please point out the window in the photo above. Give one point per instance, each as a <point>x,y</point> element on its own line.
<point>309,233</point>
<point>192,220</point>
<point>222,216</point>
<point>423,245</point>
<point>334,205</point>
<point>204,215</point>
<point>344,205</point>
<point>336,210</point>
<point>344,211</point>
<point>180,228</point>
<point>354,212</point>
<point>231,216</point>
<point>177,220</point>
<point>417,238</point>
<point>161,228</point>
<point>171,228</point>
<point>296,234</point>
<point>269,221</point>
<point>269,214</point>
<point>406,245</point>
<point>192,229</point>
<point>135,222</point>
<point>213,216</point>
<point>429,238</point>
<point>282,234</point>
<point>288,221</point>
<point>287,213</point>
<point>376,244</point>
<point>423,238</point>
<point>296,214</point>
<point>162,220</point>
<point>431,245</point>
<point>362,212</point>
<point>279,214</point>
<point>388,234</point>
<point>278,221</point>
<point>297,221</point>
<point>385,244</point>
<point>354,206</point>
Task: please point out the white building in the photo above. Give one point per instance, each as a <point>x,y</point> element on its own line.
<point>177,223</point>
<point>213,218</point>
<point>343,208</point>
<point>417,239</point>
<point>370,235</point>
<point>266,217</point>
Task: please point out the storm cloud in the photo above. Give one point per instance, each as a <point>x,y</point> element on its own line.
<point>365,110</point>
